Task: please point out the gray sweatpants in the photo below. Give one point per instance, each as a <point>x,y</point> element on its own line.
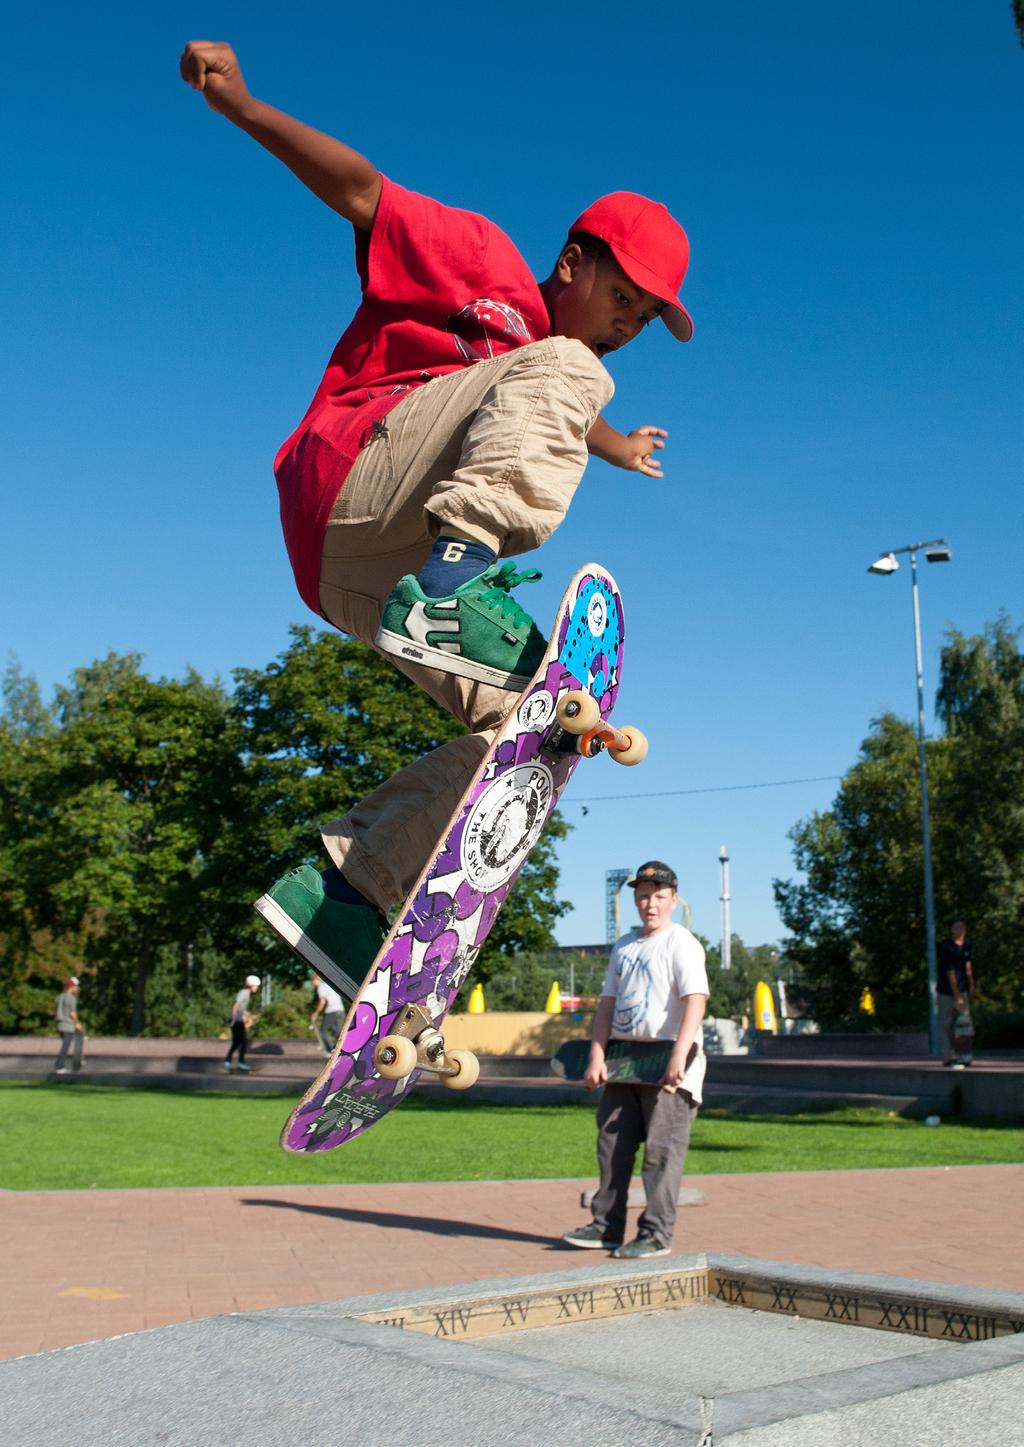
<point>627,1116</point>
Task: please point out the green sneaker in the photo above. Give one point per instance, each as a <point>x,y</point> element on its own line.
<point>339,941</point>
<point>479,631</point>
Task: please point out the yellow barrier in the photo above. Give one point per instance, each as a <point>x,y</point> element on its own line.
<point>764,1008</point>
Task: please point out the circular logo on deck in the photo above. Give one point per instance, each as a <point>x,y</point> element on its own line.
<point>597,614</point>
<point>504,824</point>
<point>536,712</point>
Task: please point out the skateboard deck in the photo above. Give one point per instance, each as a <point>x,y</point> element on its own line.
<point>640,1061</point>
<point>448,915</point>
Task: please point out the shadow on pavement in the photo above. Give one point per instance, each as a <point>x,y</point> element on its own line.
<point>409,1223</point>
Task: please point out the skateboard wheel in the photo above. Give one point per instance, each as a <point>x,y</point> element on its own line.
<point>577,711</point>
<point>637,750</point>
<point>469,1069</point>
<point>394,1057</point>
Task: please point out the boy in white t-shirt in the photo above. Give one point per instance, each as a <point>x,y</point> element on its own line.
<point>656,988</point>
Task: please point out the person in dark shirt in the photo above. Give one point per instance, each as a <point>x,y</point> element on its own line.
<point>955,990</point>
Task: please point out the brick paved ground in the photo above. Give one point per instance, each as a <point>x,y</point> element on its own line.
<point>81,1265</point>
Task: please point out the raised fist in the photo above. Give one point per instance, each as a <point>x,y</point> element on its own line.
<point>212,67</point>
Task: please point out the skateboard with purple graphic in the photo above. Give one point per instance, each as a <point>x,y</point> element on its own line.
<point>394,1030</point>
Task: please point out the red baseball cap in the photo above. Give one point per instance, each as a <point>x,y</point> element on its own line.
<point>650,246</point>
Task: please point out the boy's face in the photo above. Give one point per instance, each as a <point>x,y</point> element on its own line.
<point>654,904</point>
<point>597,304</point>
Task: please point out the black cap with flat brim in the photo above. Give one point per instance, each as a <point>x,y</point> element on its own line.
<point>653,872</point>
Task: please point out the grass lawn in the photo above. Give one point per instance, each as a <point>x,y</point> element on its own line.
<point>84,1137</point>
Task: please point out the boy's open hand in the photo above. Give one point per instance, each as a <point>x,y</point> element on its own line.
<point>212,67</point>
<point>643,443</point>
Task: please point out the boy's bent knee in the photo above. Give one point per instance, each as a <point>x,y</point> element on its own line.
<point>582,370</point>
<point>569,360</point>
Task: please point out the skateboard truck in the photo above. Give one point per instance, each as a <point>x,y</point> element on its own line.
<point>578,715</point>
<point>414,1042</point>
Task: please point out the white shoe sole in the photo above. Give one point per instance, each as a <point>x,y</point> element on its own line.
<point>589,1245</point>
<point>401,647</point>
<point>283,925</point>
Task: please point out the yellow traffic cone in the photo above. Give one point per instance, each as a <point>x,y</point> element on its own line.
<point>554,1004</point>
<point>476,1000</point>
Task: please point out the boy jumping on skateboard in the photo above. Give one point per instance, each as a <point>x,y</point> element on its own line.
<point>449,431</point>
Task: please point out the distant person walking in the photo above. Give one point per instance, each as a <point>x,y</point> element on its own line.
<point>955,990</point>
<point>240,1020</point>
<point>330,1010</point>
<point>69,1027</point>
<point>656,988</point>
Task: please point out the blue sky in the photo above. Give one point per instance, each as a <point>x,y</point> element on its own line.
<point>851,181</point>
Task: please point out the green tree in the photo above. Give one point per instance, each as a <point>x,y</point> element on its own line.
<point>323,726</point>
<point>130,790</point>
<point>34,960</point>
<point>732,990</point>
<point>856,919</point>
<point>981,845</point>
<point>319,728</point>
<point>139,819</point>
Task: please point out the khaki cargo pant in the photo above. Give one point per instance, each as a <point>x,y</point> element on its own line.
<point>495,451</point>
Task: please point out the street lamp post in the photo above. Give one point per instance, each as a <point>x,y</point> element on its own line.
<point>935,552</point>
<point>723,860</point>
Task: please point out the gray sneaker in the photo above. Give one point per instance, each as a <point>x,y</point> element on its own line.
<point>592,1237</point>
<point>646,1244</point>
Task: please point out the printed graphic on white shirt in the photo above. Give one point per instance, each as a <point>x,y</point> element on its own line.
<point>648,975</point>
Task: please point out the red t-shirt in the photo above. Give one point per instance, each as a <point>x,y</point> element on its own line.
<point>442,289</point>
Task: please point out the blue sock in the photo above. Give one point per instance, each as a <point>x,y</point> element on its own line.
<point>336,886</point>
<point>453,562</point>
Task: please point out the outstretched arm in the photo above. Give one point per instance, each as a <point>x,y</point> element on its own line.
<point>340,176</point>
<point>635,452</point>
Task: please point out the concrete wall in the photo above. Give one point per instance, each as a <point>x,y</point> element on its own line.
<point>515,1032</point>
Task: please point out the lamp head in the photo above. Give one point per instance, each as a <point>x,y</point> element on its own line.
<point>939,553</point>
<point>885,564</point>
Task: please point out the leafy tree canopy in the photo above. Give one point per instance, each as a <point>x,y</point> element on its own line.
<point>140,817</point>
<point>856,917</point>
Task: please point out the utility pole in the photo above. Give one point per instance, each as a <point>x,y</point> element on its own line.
<point>189,963</point>
<point>723,860</point>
